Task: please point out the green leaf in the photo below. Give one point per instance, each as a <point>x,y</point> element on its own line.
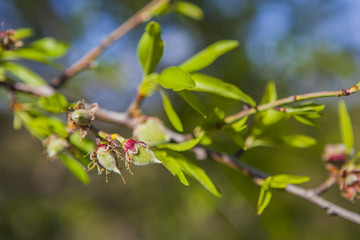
<point>189,9</point>
<point>193,101</point>
<point>207,56</point>
<point>24,74</point>
<point>35,55</point>
<point>346,128</point>
<point>149,85</point>
<point>205,83</point>
<point>305,108</point>
<point>56,103</point>
<point>170,112</point>
<point>50,47</point>
<point>75,167</point>
<point>22,33</point>
<point>183,146</point>
<point>264,196</point>
<point>270,94</point>
<point>150,48</point>
<point>2,74</point>
<point>172,165</point>
<point>282,180</point>
<point>197,173</point>
<point>239,126</point>
<point>176,79</point>
<point>306,120</point>
<point>235,136</point>
<point>298,140</point>
<point>82,144</point>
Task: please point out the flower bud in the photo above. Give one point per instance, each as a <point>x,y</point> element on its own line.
<point>138,153</point>
<point>152,132</point>
<point>81,117</point>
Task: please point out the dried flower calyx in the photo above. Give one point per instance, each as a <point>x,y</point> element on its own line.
<point>81,117</point>
<point>349,182</point>
<point>106,158</point>
<point>8,41</point>
<point>55,145</point>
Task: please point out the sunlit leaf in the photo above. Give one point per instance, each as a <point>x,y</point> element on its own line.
<point>205,83</point>
<point>193,101</point>
<point>196,172</point>
<point>346,129</point>
<point>36,55</point>
<point>306,120</point>
<point>298,140</point>
<point>82,144</point>
<point>176,79</point>
<point>235,136</point>
<point>282,180</point>
<point>56,103</point>
<point>170,112</point>
<point>207,56</point>
<point>24,74</point>
<point>270,94</point>
<point>149,85</point>
<point>50,47</point>
<point>172,165</point>
<point>239,126</point>
<point>75,167</point>
<point>264,196</point>
<point>189,9</point>
<point>183,146</point>
<point>22,33</point>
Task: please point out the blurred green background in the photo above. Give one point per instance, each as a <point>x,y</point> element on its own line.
<point>301,45</point>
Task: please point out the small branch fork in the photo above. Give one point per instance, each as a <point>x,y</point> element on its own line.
<point>130,120</point>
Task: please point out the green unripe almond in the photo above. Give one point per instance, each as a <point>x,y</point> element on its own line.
<point>81,117</point>
<point>107,159</point>
<point>144,157</point>
<point>152,132</point>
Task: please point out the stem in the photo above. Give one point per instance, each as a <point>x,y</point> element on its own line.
<point>329,182</point>
<point>308,195</point>
<point>141,16</point>
<point>291,99</point>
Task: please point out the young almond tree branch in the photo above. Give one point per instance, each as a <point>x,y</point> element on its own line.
<point>309,195</point>
<point>126,119</point>
<point>291,99</point>
<point>140,17</point>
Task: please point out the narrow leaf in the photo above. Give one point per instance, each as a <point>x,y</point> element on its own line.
<point>75,167</point>
<point>176,79</point>
<point>22,33</point>
<point>170,112</point>
<point>56,103</point>
<point>282,180</point>
<point>270,94</point>
<point>189,9</point>
<point>306,120</point>
<point>239,125</point>
<point>51,47</point>
<point>183,146</point>
<point>171,164</point>
<point>264,196</point>
<point>196,172</point>
<point>235,136</point>
<point>207,56</point>
<point>24,74</point>
<point>151,47</point>
<point>298,140</point>
<point>346,128</point>
<point>193,101</point>
<point>205,83</point>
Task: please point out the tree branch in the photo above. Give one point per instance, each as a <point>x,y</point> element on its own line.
<point>140,17</point>
<point>309,195</point>
<point>291,99</point>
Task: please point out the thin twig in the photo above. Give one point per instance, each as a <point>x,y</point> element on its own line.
<point>140,17</point>
<point>329,182</point>
<point>309,195</point>
<point>291,99</point>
